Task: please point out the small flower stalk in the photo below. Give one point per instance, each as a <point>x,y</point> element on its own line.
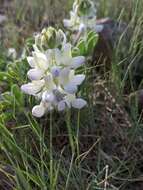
<point>53,73</point>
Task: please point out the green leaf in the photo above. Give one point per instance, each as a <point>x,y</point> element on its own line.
<point>4,76</point>
<point>16,92</point>
<point>92,41</point>
<point>82,47</point>
<point>75,52</point>
<point>90,35</point>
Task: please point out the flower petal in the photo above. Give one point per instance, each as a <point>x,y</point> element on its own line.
<point>31,61</point>
<point>49,82</point>
<point>32,88</point>
<point>48,97</point>
<point>58,56</point>
<point>67,54</point>
<point>78,103</point>
<point>67,23</point>
<point>70,88</point>
<point>38,111</point>
<point>55,71</point>
<point>61,105</point>
<point>77,79</point>
<point>61,37</point>
<point>64,76</point>
<point>35,74</point>
<point>41,60</point>
<point>69,98</point>
<point>77,62</point>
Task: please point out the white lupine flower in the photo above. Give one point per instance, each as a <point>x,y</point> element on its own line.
<point>74,21</point>
<point>32,88</point>
<point>41,61</point>
<point>70,81</point>
<point>64,57</point>
<point>53,79</point>
<point>48,97</point>
<point>71,100</point>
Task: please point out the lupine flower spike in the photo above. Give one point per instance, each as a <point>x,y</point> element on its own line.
<point>52,73</point>
<point>82,17</point>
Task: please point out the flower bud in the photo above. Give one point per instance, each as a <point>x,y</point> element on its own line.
<point>35,74</point>
<point>38,111</point>
<point>48,38</point>
<point>84,7</point>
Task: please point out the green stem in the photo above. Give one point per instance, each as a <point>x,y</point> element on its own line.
<point>51,153</point>
<point>70,134</point>
<point>77,135</point>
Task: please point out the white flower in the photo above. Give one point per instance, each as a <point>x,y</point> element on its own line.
<point>32,88</point>
<point>53,78</point>
<point>71,101</point>
<point>48,97</point>
<point>74,21</point>
<point>40,60</point>
<point>64,57</point>
<point>70,81</point>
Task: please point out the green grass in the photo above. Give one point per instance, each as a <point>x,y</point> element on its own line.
<point>84,150</point>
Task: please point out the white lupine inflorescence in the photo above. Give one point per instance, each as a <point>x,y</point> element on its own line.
<point>53,78</point>
<point>82,17</point>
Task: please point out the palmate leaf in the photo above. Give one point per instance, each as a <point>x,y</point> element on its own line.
<point>91,42</point>
<point>86,46</point>
<point>82,47</point>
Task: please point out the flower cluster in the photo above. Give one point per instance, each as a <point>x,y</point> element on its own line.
<point>82,17</point>
<point>52,73</point>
